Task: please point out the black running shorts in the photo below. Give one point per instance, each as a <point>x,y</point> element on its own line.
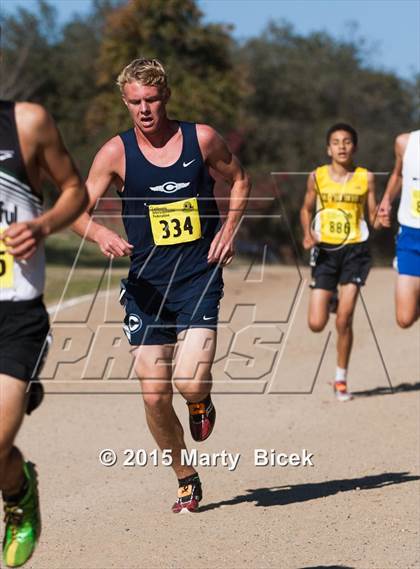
<point>348,264</point>
<point>24,327</point>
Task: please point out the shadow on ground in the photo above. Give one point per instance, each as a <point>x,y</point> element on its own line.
<point>283,495</point>
<point>327,567</point>
<point>401,388</point>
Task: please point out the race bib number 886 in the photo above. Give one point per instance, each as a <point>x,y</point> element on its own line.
<point>336,225</point>
<point>175,222</point>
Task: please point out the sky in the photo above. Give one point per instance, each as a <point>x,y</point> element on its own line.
<point>390,27</point>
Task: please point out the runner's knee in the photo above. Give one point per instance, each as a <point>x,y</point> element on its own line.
<point>343,323</point>
<point>157,402</point>
<point>317,324</point>
<point>194,390</point>
<point>194,385</point>
<point>405,320</point>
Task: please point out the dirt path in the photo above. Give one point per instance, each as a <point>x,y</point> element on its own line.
<point>356,508</point>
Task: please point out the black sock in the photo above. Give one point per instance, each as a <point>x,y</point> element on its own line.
<point>16,498</point>
<point>188,479</point>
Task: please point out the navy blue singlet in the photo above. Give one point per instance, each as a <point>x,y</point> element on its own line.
<point>146,184</point>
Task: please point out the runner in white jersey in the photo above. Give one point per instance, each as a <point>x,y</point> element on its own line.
<point>31,149</point>
<point>406,178</point>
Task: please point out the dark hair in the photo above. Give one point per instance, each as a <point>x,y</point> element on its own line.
<point>342,126</point>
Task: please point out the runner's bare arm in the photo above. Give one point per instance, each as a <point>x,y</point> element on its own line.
<point>371,203</point>
<point>306,212</point>
<point>40,132</point>
<point>394,183</point>
<point>105,170</point>
<point>218,156</point>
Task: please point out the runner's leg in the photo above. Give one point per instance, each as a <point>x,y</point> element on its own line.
<point>13,399</point>
<point>193,360</point>
<point>318,314</point>
<point>154,368</point>
<point>344,323</point>
<point>407,300</point>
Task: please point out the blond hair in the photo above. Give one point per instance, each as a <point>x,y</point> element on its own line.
<point>148,72</point>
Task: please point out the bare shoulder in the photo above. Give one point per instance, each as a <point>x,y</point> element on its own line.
<point>31,111</point>
<point>207,132</point>
<point>33,118</point>
<point>112,150</point>
<point>310,181</point>
<point>209,139</point>
<point>401,142</point>
<point>370,176</point>
<point>110,158</point>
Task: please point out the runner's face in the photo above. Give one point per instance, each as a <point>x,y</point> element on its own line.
<point>341,147</point>
<point>146,105</point>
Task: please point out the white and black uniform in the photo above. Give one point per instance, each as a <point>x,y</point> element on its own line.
<point>23,319</point>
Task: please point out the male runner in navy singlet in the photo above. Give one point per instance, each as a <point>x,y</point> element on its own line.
<point>31,149</point>
<point>177,247</point>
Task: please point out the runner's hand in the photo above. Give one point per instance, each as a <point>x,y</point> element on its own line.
<point>111,244</point>
<point>221,249</point>
<point>309,242</point>
<point>21,239</point>
<point>384,213</point>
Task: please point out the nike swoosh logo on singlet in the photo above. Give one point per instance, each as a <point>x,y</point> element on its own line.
<point>6,154</point>
<point>186,164</point>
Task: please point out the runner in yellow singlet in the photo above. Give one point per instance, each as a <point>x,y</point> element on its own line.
<point>337,235</point>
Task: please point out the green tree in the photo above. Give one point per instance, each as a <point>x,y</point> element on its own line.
<point>26,41</point>
<point>198,57</point>
<point>75,60</point>
<point>301,85</point>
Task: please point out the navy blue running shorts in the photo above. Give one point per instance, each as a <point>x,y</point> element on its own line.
<point>153,319</point>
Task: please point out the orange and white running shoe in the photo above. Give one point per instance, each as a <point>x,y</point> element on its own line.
<point>340,391</point>
<point>189,495</point>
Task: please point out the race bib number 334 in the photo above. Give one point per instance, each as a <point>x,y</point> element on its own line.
<point>175,222</point>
